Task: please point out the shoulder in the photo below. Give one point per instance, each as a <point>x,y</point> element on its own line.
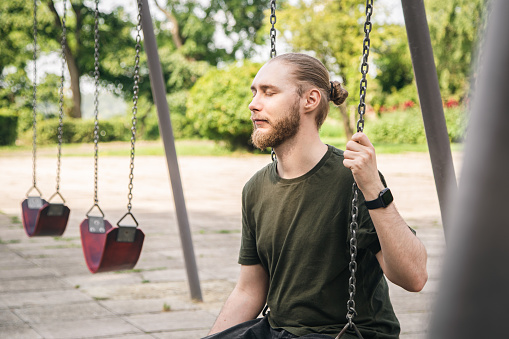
<point>336,153</point>
<point>335,163</point>
<point>258,180</point>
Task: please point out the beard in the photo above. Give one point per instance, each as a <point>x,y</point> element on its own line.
<point>280,130</point>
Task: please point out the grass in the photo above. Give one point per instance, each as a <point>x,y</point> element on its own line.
<point>15,219</point>
<point>12,241</point>
<point>332,132</point>
<point>143,148</point>
<point>166,307</point>
<point>186,148</point>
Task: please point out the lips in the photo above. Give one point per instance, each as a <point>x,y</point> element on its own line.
<point>258,120</point>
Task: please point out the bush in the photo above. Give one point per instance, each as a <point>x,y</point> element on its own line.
<point>218,105</point>
<point>407,127</point>
<point>8,129</point>
<point>82,131</point>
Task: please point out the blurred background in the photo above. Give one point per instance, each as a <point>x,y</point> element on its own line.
<point>210,51</point>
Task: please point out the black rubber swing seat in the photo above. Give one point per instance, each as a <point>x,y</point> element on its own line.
<point>41,218</point>
<point>110,248</point>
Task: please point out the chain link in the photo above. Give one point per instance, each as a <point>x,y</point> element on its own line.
<point>135,104</point>
<point>273,49</point>
<point>34,100</point>
<point>364,65</point>
<point>96,99</point>
<point>272,29</point>
<point>354,226</point>
<point>61,92</point>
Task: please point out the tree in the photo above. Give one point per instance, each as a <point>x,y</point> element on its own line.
<point>454,26</point>
<point>16,50</point>
<point>193,27</point>
<point>116,48</point>
<point>218,105</point>
<point>116,45</point>
<point>333,31</point>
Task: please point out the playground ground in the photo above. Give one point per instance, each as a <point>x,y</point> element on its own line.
<point>46,291</point>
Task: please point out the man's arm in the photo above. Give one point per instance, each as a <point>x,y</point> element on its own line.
<point>247,299</point>
<point>402,257</point>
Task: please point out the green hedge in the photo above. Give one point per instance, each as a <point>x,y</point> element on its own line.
<point>407,127</point>
<point>78,131</point>
<point>8,129</point>
<point>218,105</point>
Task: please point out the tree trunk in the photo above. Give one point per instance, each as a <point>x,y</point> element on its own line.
<point>75,83</point>
<point>72,66</point>
<point>175,32</point>
<point>346,121</point>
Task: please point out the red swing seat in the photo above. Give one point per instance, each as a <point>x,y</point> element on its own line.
<point>41,218</point>
<point>110,248</point>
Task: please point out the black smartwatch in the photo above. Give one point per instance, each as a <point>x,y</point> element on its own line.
<point>383,200</point>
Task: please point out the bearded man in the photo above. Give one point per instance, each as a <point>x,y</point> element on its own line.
<point>294,253</point>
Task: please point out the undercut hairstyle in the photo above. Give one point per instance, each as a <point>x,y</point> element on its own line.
<point>309,72</point>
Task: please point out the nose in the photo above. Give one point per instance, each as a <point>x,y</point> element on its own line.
<point>255,104</point>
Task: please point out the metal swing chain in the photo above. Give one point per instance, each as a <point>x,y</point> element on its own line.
<point>61,92</point>
<point>272,48</point>
<point>272,29</point>
<point>365,66</point>
<point>135,105</point>
<point>34,99</point>
<point>96,99</point>
<point>354,226</point>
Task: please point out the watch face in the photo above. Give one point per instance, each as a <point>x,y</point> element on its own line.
<point>386,196</point>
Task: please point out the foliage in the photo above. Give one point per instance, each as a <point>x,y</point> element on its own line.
<point>332,31</point>
<point>80,131</point>
<point>8,128</point>
<point>454,26</point>
<point>406,127</point>
<point>394,73</point>
<point>200,22</point>
<point>218,104</point>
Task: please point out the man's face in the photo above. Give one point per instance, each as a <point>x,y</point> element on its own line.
<point>275,108</point>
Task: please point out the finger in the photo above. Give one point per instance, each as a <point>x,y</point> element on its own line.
<point>354,146</point>
<point>348,163</point>
<point>362,139</point>
<point>348,154</point>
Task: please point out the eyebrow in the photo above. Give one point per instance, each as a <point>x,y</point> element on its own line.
<point>265,87</point>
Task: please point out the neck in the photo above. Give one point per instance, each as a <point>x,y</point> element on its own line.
<point>298,155</point>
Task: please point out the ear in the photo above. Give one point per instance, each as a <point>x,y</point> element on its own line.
<point>312,97</point>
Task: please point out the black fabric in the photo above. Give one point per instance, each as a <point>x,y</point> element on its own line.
<point>260,329</point>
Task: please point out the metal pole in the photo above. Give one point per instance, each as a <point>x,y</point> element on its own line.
<point>473,295</point>
<point>430,101</point>
<point>163,113</point>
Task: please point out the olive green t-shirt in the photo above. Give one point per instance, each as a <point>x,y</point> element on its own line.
<point>298,230</point>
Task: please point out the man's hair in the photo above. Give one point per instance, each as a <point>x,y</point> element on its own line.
<point>310,72</point>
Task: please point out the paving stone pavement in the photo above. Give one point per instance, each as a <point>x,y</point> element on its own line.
<point>46,291</point>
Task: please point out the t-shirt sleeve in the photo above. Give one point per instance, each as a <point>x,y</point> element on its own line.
<point>248,253</point>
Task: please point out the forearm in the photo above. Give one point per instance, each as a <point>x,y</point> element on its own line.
<point>403,257</point>
<point>239,307</point>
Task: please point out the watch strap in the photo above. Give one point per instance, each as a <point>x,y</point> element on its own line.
<point>383,200</point>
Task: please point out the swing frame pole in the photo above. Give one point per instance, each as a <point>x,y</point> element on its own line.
<point>159,92</point>
<point>475,276</point>
<point>425,72</point>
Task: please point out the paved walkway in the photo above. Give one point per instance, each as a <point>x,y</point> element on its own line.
<point>46,290</point>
